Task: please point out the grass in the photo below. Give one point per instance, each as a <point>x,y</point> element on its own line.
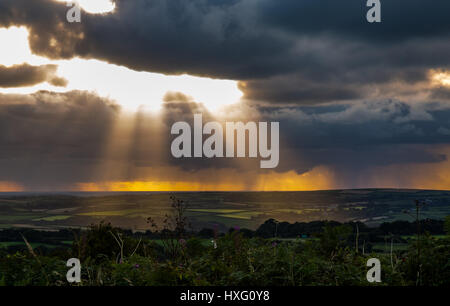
<point>288,210</point>
<point>130,213</point>
<point>236,216</point>
<point>246,215</point>
<point>227,221</point>
<point>104,213</point>
<point>386,248</point>
<point>6,244</point>
<point>219,211</point>
<point>414,237</point>
<point>204,241</point>
<point>16,218</point>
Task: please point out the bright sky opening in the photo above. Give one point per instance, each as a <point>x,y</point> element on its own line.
<point>94,6</point>
<point>129,88</point>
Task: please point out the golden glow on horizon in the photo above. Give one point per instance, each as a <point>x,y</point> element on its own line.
<point>317,179</point>
<point>94,6</point>
<point>433,176</point>
<point>156,186</point>
<point>10,187</point>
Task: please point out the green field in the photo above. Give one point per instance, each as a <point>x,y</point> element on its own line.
<point>224,209</point>
<point>21,243</point>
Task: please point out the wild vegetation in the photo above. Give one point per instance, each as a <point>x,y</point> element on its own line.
<point>278,254</point>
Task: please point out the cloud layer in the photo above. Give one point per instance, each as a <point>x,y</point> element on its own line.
<point>61,140</point>
<point>320,51</point>
<point>26,75</point>
<point>358,99</point>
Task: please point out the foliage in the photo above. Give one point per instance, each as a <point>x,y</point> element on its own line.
<point>330,255</point>
<point>174,229</point>
<point>236,260</point>
<point>447,225</point>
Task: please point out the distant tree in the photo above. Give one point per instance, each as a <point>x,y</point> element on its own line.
<point>267,229</point>
<point>247,232</point>
<point>206,233</point>
<point>397,228</point>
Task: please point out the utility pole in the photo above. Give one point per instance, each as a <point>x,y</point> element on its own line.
<point>419,204</point>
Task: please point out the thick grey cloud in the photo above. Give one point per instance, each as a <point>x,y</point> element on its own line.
<point>26,75</point>
<point>360,136</point>
<point>293,51</point>
<point>240,39</point>
<point>52,139</point>
<point>401,20</point>
<point>55,140</point>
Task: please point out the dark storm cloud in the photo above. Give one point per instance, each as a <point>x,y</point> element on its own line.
<point>198,37</point>
<point>401,19</point>
<point>353,160</point>
<point>179,107</point>
<point>360,135</point>
<point>26,75</point>
<point>355,75</point>
<point>52,139</point>
<point>55,140</point>
<point>237,39</point>
<point>319,51</point>
<point>351,136</point>
<point>298,90</point>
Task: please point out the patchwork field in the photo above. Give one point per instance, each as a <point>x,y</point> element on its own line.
<point>222,209</point>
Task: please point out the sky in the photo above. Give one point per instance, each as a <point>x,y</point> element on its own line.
<point>89,106</point>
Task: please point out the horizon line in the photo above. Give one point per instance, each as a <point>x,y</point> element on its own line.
<point>220,191</point>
